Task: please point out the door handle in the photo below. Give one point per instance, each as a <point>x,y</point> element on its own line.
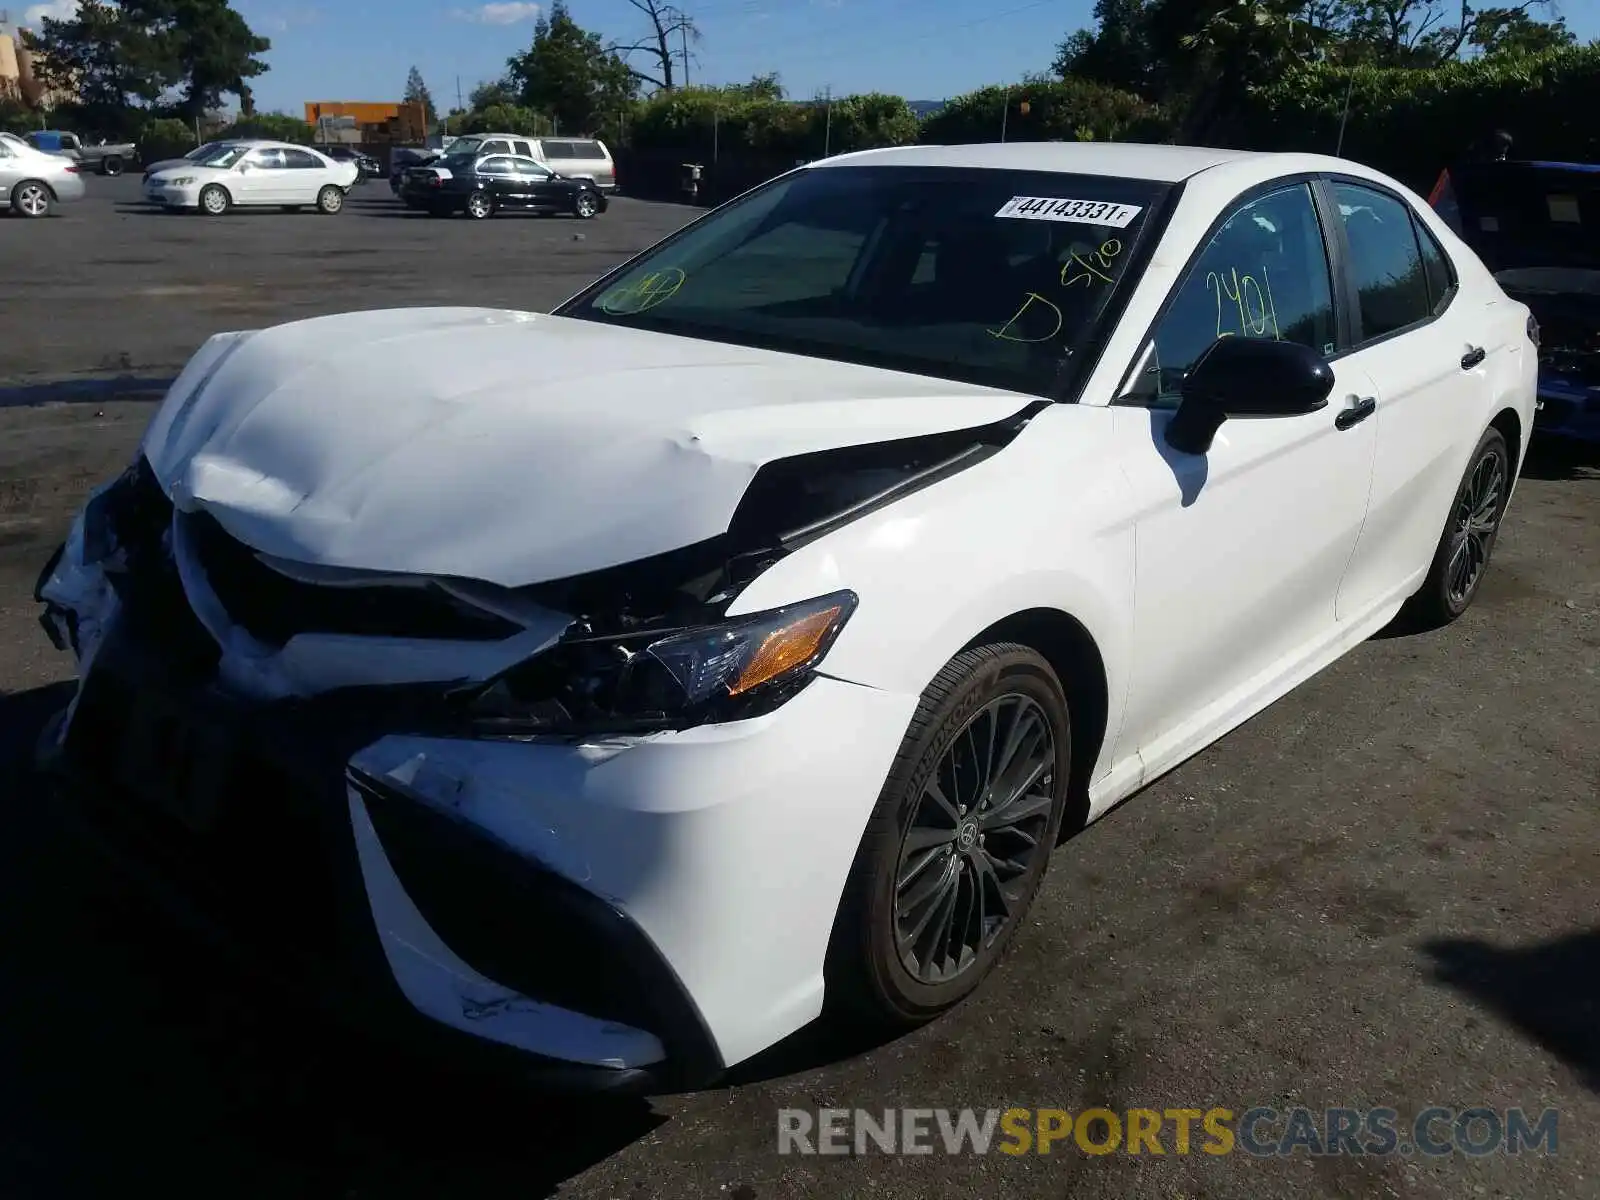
<point>1356,413</point>
<point>1473,357</point>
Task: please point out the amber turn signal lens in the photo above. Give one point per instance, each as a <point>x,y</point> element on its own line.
<point>784,649</point>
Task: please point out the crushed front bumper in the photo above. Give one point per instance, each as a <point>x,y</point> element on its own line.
<point>622,915</point>
<point>246,825</point>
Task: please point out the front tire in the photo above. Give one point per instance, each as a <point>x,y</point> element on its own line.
<point>585,205</point>
<point>330,200</point>
<point>959,841</point>
<point>214,200</point>
<point>32,199</point>
<point>1461,558</point>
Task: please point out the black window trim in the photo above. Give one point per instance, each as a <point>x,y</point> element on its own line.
<point>1357,341</point>
<point>1333,246</point>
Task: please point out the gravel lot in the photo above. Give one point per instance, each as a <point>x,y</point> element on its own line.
<point>1381,892</point>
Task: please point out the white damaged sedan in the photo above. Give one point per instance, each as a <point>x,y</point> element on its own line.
<point>607,690</point>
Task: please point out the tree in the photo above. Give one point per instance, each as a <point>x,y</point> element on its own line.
<point>667,21</point>
<point>569,73</point>
<point>487,95</point>
<point>118,57</point>
<point>211,49</point>
<point>417,93</point>
<point>1513,31</point>
<point>111,61</point>
<point>1116,52</point>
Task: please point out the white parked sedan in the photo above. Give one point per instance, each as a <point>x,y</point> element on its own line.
<point>253,174</point>
<point>617,686</point>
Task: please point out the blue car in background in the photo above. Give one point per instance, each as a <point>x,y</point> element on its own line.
<point>1536,225</point>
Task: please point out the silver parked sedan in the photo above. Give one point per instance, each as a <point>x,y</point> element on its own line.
<point>33,182</point>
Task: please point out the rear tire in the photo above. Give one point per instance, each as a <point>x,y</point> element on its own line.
<point>111,166</point>
<point>951,846</point>
<point>1461,558</point>
<point>330,200</point>
<point>32,199</point>
<point>480,206</point>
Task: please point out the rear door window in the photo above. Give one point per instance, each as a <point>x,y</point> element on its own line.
<point>1436,265</point>
<point>1385,261</point>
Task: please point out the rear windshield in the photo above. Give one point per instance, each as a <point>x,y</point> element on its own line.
<point>992,277</point>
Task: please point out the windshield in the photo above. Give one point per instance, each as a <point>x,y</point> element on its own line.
<point>200,152</point>
<point>992,277</point>
<point>222,156</point>
<point>463,147</point>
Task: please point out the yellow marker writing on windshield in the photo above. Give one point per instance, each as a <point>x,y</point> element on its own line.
<point>645,293</point>
<point>1085,269</point>
<point>1014,329</point>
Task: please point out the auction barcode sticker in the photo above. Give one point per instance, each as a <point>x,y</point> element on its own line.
<point>1081,212</point>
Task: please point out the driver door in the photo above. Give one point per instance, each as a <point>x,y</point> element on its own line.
<point>1239,551</point>
<point>262,178</point>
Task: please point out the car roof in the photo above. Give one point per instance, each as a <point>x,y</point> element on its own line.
<point>1129,160</point>
<point>530,137</point>
<point>264,144</point>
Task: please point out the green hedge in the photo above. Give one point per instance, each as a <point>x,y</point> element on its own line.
<point>700,119</point>
<point>277,127</point>
<point>1410,123</point>
<point>165,138</point>
<point>1072,110</point>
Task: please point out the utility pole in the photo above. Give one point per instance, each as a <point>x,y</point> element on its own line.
<point>1005,112</point>
<point>827,129</point>
<point>683,40</point>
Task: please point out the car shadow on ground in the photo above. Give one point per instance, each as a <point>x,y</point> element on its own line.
<point>1549,991</point>
<point>134,1055</point>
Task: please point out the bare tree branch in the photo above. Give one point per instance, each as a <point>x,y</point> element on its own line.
<point>666,22</point>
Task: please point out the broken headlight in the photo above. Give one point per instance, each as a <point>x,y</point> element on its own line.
<point>737,668</point>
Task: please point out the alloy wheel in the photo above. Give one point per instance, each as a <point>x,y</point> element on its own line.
<point>586,205</point>
<point>974,836</point>
<point>478,205</point>
<point>33,200</point>
<point>215,201</point>
<point>1476,520</point>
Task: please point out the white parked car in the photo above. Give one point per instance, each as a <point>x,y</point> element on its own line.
<point>33,182</point>
<point>617,686</point>
<point>253,174</point>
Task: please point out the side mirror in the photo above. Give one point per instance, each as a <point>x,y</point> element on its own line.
<point>1247,377</point>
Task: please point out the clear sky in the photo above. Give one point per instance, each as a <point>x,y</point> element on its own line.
<point>920,49</point>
